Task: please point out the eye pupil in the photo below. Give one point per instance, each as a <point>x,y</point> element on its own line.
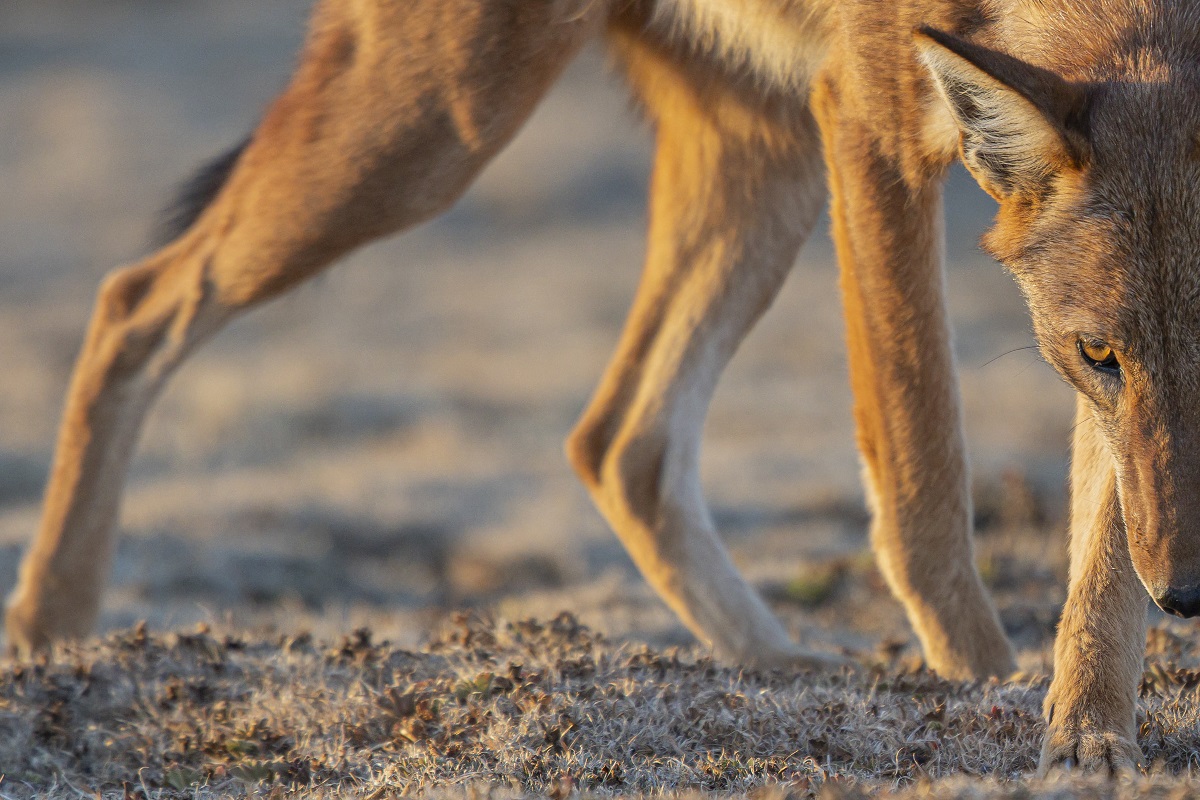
<point>1099,356</point>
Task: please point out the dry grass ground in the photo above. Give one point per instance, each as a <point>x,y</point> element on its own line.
<point>490,708</point>
<point>384,446</point>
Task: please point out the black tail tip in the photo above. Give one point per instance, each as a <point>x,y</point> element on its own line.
<point>195,195</point>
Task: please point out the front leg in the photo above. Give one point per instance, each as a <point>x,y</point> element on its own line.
<point>1091,706</point>
<point>888,231</point>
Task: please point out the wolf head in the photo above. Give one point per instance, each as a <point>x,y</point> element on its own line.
<point>1097,173</point>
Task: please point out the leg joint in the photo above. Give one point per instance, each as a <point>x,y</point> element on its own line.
<point>633,471</point>
<point>627,468</point>
<point>122,291</point>
<point>586,447</point>
<point>122,332</point>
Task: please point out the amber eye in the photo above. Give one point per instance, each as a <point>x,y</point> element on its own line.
<point>1099,356</point>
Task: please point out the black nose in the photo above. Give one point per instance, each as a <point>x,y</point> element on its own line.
<point>1180,602</point>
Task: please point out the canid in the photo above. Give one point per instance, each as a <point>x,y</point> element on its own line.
<point>1081,117</point>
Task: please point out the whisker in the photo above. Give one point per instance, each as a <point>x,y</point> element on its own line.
<point>1008,353</point>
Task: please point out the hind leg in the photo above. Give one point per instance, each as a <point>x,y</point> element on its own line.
<point>737,186</point>
<point>392,111</point>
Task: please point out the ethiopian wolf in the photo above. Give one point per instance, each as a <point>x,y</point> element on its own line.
<point>1081,117</point>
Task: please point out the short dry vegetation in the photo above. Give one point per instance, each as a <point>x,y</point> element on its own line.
<point>493,708</point>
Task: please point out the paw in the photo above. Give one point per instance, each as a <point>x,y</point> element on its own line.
<point>808,661</point>
<point>984,653</point>
<point>798,659</point>
<point>32,627</point>
<point>1093,750</point>
<point>34,618</point>
<point>24,633</point>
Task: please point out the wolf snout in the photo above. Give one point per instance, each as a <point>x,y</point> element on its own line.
<point>1180,601</point>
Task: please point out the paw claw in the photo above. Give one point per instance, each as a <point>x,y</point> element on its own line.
<point>1089,751</point>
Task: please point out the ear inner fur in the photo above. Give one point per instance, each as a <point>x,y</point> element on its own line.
<point>1019,123</point>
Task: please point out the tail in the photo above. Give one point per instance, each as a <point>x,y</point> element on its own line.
<point>195,195</point>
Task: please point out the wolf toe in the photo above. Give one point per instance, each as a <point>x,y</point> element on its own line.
<point>1089,751</point>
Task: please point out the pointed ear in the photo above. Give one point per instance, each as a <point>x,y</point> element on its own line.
<point>1019,124</point>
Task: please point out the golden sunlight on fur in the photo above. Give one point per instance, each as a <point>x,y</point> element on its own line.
<point>1078,117</point>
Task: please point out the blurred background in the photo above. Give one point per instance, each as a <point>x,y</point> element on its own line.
<point>385,443</point>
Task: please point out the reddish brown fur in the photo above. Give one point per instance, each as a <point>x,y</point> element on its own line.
<point>1081,118</point>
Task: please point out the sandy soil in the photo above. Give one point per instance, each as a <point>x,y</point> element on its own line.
<point>384,444</point>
